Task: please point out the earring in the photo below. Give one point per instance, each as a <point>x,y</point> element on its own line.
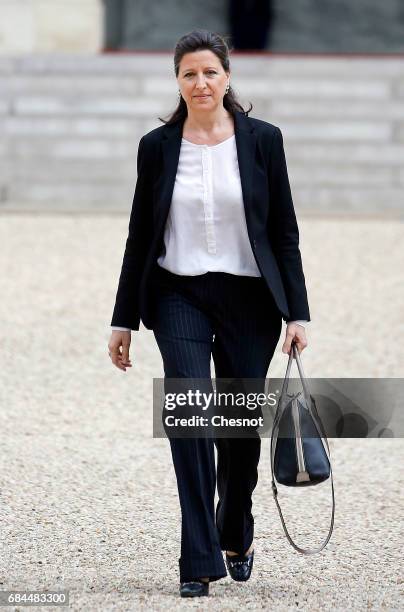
<point>179,93</point>
<point>227,88</point>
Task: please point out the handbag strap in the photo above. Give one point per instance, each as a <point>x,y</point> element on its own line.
<point>306,551</point>
<point>294,353</point>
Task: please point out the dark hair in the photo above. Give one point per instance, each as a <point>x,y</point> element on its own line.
<point>195,41</point>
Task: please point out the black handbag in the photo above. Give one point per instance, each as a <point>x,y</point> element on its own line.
<point>300,455</point>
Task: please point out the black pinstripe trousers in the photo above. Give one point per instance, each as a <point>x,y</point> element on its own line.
<point>235,320</point>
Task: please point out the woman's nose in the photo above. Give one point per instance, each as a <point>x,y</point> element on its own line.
<point>200,82</point>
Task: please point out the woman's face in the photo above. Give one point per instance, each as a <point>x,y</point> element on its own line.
<point>202,80</point>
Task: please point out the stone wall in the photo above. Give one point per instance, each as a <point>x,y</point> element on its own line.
<point>28,26</point>
<point>349,26</point>
<point>76,26</point>
<point>359,26</point>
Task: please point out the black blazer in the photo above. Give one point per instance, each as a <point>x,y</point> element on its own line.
<point>270,217</point>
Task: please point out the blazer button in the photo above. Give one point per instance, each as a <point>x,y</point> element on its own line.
<point>254,244</point>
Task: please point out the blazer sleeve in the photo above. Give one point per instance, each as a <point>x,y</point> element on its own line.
<point>126,309</point>
<point>284,232</point>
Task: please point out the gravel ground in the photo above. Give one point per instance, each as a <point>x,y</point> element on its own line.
<point>88,497</point>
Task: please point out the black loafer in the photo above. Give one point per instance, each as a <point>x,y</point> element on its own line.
<point>195,588</point>
<point>240,566</point>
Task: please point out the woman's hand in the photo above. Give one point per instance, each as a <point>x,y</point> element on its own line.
<point>295,332</point>
<point>120,340</point>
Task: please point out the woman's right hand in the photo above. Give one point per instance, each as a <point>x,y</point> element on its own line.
<point>118,347</point>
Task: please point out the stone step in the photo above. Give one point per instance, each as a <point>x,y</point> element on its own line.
<point>391,153</point>
<point>14,108</point>
<point>104,170</point>
<point>72,194</point>
<point>299,151</point>
<point>71,148</point>
<point>71,124</point>
<point>161,63</point>
<point>76,197</point>
<point>107,173</point>
<point>297,86</point>
<point>356,199</point>
<point>45,126</point>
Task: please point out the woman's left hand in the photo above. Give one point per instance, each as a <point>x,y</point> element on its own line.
<point>295,332</point>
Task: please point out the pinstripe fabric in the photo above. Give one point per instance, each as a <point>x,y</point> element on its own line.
<point>235,320</point>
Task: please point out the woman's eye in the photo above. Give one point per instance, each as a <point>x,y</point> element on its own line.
<point>209,72</point>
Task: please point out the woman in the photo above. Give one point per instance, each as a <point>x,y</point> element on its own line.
<point>212,265</point>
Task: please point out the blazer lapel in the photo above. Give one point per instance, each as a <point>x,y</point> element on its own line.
<point>171,145</point>
<point>246,141</point>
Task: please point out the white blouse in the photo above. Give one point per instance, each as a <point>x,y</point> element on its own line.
<point>206,229</point>
<point>206,217</point>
